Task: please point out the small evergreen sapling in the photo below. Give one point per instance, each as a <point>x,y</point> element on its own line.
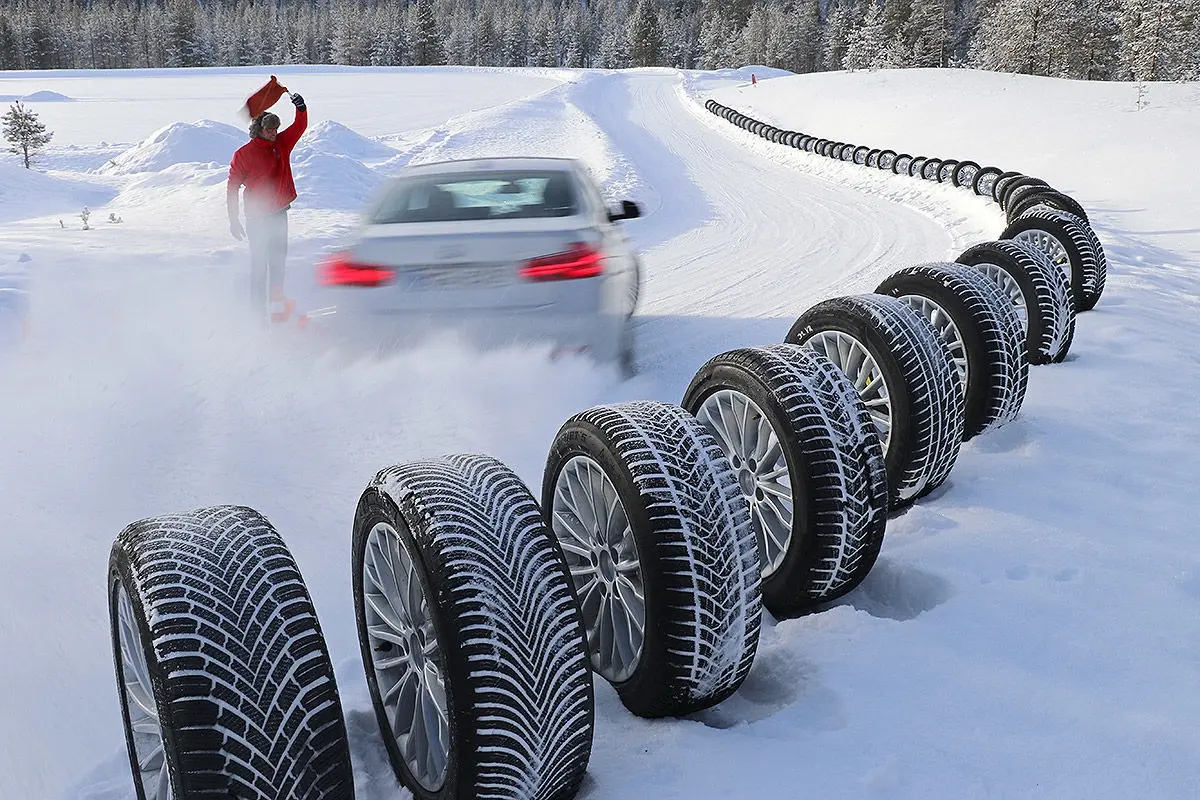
<point>24,132</point>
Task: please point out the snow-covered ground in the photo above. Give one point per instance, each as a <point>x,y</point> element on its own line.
<point>1031,630</point>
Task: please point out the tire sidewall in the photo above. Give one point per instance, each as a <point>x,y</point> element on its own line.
<point>121,573</point>
<point>1058,229</point>
<point>835,319</point>
<point>1035,321</point>
<point>711,379</point>
<point>583,438</point>
<point>976,393</point>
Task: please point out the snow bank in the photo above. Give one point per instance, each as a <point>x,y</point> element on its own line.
<point>552,124</point>
<point>38,97</point>
<point>334,181</point>
<point>26,193</point>
<point>202,142</point>
<point>333,138</point>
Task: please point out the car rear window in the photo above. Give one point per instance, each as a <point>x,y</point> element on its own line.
<point>491,195</point>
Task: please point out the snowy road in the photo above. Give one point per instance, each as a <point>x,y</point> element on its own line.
<point>736,245</point>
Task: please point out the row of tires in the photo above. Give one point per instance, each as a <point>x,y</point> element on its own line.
<point>661,533</point>
<point>1036,211</point>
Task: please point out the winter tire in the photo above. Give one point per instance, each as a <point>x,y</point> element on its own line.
<point>810,144</point>
<point>873,158</point>
<point>916,165</point>
<point>659,540</point>
<point>819,146</point>
<point>930,169</point>
<point>964,174</point>
<point>226,687</point>
<point>1025,183</point>
<point>809,462</point>
<point>848,151</point>
<point>946,171</point>
<point>710,105</point>
<point>1038,291</point>
<point>980,327</point>
<point>1071,245</point>
<point>887,159</point>
<point>1044,196</point>
<point>985,181</point>
<point>471,639</point>
<point>909,383</point>
<point>901,164</point>
<point>860,154</point>
<point>1002,181</point>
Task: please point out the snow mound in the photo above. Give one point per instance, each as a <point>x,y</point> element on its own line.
<point>48,97</point>
<point>333,138</point>
<point>26,193</point>
<point>331,181</point>
<point>203,142</point>
<point>37,97</point>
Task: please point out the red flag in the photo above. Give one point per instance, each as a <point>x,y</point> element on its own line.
<point>264,98</point>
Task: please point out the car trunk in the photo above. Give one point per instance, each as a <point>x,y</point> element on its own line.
<point>455,265</point>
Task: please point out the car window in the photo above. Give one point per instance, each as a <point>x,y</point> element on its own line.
<point>491,195</point>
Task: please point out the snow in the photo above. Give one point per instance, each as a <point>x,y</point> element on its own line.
<point>335,138</point>
<point>1031,629</point>
<point>200,142</point>
<point>37,97</point>
<point>29,192</point>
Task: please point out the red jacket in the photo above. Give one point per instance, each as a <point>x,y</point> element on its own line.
<point>264,168</point>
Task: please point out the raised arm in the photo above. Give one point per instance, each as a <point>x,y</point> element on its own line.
<point>288,137</point>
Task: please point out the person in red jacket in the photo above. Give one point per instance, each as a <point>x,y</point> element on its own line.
<point>264,167</point>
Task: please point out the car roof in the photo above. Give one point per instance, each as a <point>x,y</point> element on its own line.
<point>502,164</point>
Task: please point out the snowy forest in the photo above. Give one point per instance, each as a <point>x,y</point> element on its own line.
<point>1143,40</point>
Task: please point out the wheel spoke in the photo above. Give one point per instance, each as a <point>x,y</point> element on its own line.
<point>601,553</point>
<point>407,671</point>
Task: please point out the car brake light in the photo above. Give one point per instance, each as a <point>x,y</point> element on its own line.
<point>579,261</point>
<point>341,270</point>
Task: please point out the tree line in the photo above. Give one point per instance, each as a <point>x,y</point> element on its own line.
<point>1140,40</point>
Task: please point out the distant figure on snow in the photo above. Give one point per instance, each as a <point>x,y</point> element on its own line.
<point>264,167</point>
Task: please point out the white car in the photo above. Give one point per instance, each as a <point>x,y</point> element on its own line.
<point>503,250</point>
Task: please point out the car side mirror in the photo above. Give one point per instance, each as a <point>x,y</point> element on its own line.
<point>629,210</point>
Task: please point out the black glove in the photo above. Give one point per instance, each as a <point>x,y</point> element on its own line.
<point>298,102</point>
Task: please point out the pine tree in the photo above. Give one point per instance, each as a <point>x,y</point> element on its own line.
<point>755,37</point>
<point>1098,50</point>
<point>720,43</point>
<point>182,35</point>
<point>516,35</point>
<point>804,30</point>
<point>843,19</point>
<point>460,38</point>
<point>571,35</point>
<point>1153,39</point>
<point>1027,36</point>
<point>9,47</point>
<point>24,132</point>
<point>645,35</point>
<point>614,35</point>
<point>424,34</point>
<point>866,44</point>
<point>543,42</point>
<point>926,33</point>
